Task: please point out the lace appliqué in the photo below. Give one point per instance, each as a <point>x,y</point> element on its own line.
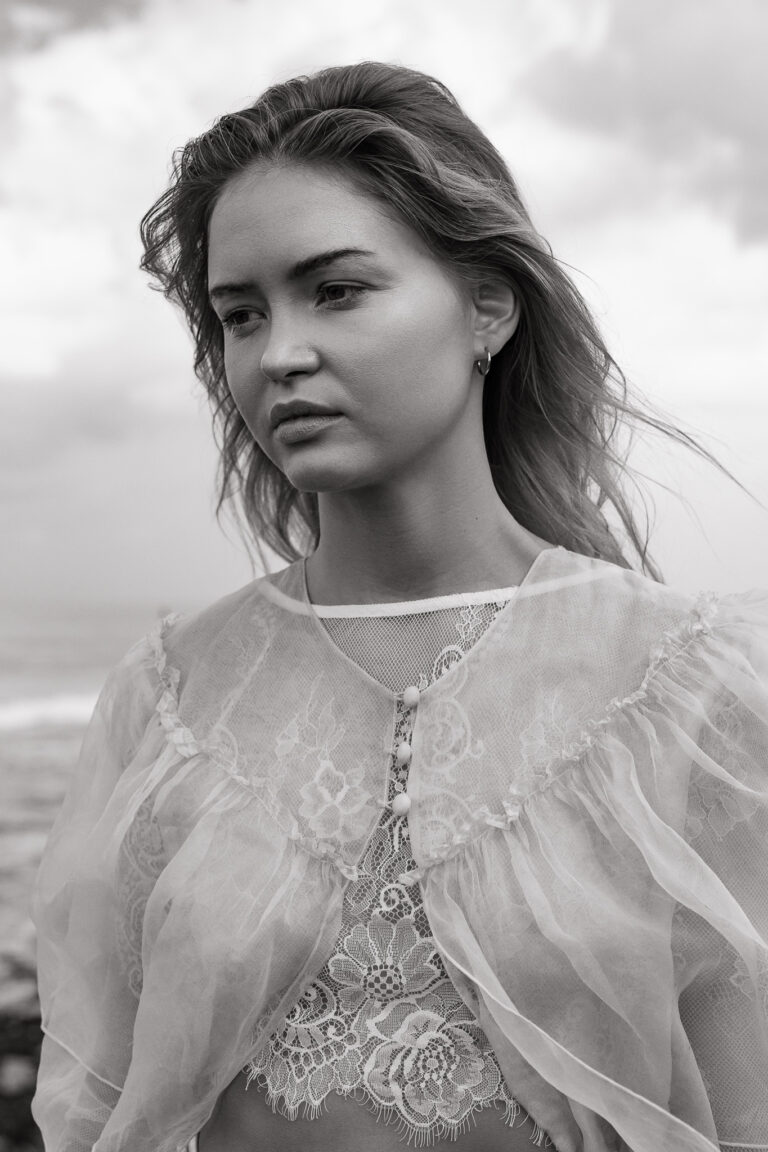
<point>334,810</point>
<point>382,1020</point>
<point>142,859</point>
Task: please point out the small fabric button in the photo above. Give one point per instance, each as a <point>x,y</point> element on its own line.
<point>401,804</point>
<point>411,696</point>
<point>512,810</point>
<point>403,752</point>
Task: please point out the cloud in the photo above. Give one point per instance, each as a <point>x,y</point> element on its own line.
<point>110,393</point>
<point>686,84</point>
<point>26,26</point>
<point>604,113</point>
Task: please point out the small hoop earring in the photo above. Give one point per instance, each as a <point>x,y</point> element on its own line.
<point>484,370</point>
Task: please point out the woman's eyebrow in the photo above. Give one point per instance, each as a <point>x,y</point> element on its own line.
<point>303,268</point>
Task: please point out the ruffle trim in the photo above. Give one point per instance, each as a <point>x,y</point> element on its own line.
<point>167,707</point>
<point>676,640</point>
<point>698,623</point>
<point>386,1114</point>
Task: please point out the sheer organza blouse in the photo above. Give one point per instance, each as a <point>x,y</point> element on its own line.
<point>588,823</point>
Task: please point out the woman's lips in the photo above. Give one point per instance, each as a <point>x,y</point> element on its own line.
<point>303,427</point>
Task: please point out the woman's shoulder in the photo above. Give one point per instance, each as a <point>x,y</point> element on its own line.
<point>621,626</point>
<point>186,636</point>
<point>228,634</point>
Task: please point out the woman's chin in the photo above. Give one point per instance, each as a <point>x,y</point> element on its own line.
<point>327,475</point>
<point>324,480</point>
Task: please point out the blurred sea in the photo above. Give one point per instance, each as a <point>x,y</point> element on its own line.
<point>53,662</point>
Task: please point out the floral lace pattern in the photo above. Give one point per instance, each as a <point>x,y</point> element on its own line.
<point>382,1019</point>
<point>142,859</point>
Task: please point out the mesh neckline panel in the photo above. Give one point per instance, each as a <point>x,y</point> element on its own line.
<point>415,647</point>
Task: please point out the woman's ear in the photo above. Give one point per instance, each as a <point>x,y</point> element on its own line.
<point>496,315</point>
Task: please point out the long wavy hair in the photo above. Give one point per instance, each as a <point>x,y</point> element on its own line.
<point>554,399</point>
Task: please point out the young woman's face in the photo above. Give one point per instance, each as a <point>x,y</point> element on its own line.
<point>383,339</point>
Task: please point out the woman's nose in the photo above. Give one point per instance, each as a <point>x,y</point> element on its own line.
<point>287,357</point>
<point>287,349</point>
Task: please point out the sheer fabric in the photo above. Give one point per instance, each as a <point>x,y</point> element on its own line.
<point>382,1021</point>
<point>589,824</point>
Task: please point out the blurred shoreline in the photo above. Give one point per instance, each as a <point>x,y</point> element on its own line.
<point>53,663</point>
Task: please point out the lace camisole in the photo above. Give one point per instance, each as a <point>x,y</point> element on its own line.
<point>382,1021</point>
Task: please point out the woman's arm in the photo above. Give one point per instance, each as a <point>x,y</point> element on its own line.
<point>87,1002</point>
<point>723,985</point>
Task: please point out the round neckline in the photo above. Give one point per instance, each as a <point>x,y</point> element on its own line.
<point>405,607</point>
<point>496,625</point>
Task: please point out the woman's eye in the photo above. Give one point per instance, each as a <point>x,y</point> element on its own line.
<point>239,318</point>
<point>355,289</point>
<point>236,320</point>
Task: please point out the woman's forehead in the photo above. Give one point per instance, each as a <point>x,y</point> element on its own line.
<point>284,215</point>
<point>279,190</point>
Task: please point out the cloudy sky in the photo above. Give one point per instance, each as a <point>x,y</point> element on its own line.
<point>636,129</point>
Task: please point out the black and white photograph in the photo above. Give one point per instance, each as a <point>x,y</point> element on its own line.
<point>384,593</point>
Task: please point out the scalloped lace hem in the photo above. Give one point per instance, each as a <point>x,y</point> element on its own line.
<point>389,1114</point>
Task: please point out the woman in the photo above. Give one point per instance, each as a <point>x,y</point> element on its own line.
<point>454,829</point>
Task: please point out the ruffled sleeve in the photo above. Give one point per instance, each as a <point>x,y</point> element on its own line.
<point>627,964</point>
<point>85,988</point>
<point>720,948</point>
<point>178,911</point>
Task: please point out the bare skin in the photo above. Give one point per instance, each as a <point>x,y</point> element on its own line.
<point>407,504</point>
<point>244,1122</point>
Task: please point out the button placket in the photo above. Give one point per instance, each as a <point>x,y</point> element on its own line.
<point>400,801</point>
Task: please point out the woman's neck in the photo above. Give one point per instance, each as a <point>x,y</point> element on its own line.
<point>411,545</point>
